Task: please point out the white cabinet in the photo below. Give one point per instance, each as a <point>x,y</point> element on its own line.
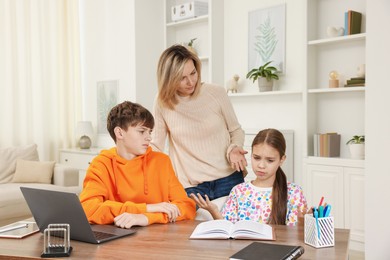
<point>341,183</point>
<point>78,158</point>
<point>341,110</point>
<point>208,29</point>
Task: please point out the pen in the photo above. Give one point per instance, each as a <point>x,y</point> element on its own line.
<point>321,211</point>
<point>13,228</point>
<point>315,212</point>
<point>322,199</point>
<point>328,208</point>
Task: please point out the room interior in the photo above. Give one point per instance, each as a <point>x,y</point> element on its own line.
<point>120,41</point>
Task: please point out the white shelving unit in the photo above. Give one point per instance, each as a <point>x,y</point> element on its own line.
<point>208,29</point>
<point>339,180</point>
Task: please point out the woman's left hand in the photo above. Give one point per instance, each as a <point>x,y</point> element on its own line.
<point>237,159</point>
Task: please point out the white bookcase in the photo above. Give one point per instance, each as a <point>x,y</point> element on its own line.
<point>339,180</point>
<point>208,29</point>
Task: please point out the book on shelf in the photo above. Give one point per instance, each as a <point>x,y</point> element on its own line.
<point>352,22</point>
<point>266,251</point>
<point>355,85</point>
<point>358,78</point>
<point>224,229</point>
<point>355,81</point>
<point>327,145</point>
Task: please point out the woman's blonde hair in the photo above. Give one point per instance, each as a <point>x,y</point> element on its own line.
<point>170,72</point>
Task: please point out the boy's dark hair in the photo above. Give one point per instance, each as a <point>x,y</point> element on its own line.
<point>275,139</point>
<point>128,114</point>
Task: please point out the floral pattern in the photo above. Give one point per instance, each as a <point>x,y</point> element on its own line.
<point>248,202</point>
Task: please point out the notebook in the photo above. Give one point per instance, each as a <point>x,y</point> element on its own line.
<point>265,251</point>
<point>56,207</point>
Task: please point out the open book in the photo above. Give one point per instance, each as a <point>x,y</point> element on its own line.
<point>224,229</point>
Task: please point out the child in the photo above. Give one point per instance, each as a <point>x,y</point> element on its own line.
<point>267,199</point>
<point>130,184</point>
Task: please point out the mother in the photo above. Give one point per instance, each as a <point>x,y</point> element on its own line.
<point>205,137</point>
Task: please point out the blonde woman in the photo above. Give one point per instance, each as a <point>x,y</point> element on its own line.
<point>205,137</point>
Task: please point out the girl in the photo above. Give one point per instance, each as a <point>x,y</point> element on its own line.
<point>267,199</point>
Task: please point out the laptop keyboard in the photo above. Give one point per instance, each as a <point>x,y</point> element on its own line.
<point>102,235</point>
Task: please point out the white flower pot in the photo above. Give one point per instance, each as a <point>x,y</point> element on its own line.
<point>264,84</point>
<point>357,151</point>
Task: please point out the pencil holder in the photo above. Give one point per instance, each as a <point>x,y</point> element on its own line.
<point>321,235</point>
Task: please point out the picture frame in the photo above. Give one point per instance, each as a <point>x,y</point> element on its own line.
<point>266,37</point>
<point>107,98</point>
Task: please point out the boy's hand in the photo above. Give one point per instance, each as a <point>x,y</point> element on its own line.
<point>164,207</point>
<point>127,220</point>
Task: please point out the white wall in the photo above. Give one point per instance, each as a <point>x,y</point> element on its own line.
<point>119,43</point>
<point>260,111</point>
<point>377,132</point>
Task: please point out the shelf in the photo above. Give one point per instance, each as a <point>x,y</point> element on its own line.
<point>203,58</point>
<point>339,39</point>
<point>199,19</point>
<point>330,161</point>
<point>268,93</point>
<point>336,90</point>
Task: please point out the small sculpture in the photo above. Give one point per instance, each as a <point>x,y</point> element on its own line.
<point>232,84</point>
<point>333,79</point>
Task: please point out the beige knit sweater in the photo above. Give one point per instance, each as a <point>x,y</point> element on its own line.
<point>201,133</point>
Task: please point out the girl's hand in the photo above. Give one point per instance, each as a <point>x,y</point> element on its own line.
<point>127,220</point>
<point>237,159</point>
<point>207,205</point>
<point>164,207</point>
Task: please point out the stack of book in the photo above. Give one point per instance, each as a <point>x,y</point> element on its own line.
<point>356,82</point>
<point>327,145</point>
<point>352,22</point>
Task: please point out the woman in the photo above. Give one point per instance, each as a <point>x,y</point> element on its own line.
<point>205,138</point>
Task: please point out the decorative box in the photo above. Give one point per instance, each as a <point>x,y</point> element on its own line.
<point>188,10</point>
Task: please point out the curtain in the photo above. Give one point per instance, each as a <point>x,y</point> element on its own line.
<point>40,85</point>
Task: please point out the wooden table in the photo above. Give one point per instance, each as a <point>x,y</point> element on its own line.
<point>170,241</point>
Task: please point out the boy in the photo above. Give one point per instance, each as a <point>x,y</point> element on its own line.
<point>131,185</point>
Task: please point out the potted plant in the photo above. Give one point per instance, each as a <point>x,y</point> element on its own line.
<point>265,75</point>
<point>356,146</point>
<point>190,45</point>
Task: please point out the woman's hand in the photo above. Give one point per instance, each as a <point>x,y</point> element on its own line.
<point>207,205</point>
<point>237,158</point>
<point>127,220</point>
<point>164,207</point>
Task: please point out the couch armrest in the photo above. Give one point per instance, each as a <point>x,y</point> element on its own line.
<point>65,175</point>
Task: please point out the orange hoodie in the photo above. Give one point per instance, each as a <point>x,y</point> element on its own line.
<point>114,185</point>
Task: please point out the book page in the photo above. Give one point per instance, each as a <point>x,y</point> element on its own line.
<point>217,229</point>
<point>246,229</point>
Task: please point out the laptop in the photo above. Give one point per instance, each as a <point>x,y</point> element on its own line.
<point>56,207</point>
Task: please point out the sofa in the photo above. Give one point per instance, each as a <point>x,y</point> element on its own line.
<point>20,166</point>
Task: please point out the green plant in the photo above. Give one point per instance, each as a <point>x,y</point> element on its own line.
<point>356,139</point>
<point>191,42</point>
<point>265,71</point>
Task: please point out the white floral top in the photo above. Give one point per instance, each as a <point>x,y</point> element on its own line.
<point>248,202</point>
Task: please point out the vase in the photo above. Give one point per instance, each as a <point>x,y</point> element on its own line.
<point>357,151</point>
<point>85,142</point>
<point>264,84</point>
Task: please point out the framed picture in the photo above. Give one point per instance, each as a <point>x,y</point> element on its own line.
<point>107,98</point>
<point>267,31</point>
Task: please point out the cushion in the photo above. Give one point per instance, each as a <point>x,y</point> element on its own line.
<point>33,171</point>
<point>8,158</point>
